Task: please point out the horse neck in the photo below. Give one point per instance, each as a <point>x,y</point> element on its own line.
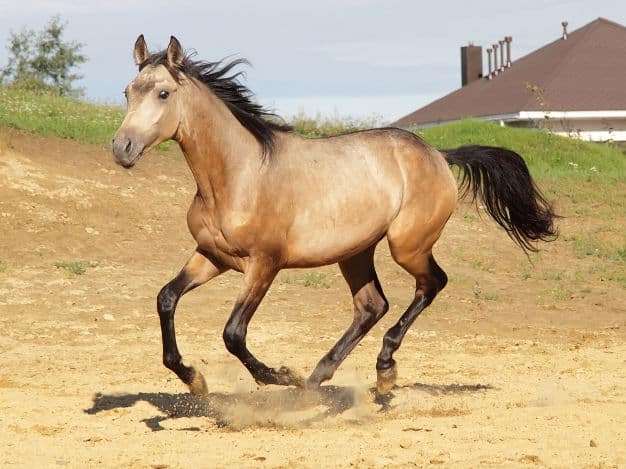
<point>218,149</point>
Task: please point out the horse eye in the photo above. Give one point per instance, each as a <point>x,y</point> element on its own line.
<point>125,94</point>
<point>164,94</point>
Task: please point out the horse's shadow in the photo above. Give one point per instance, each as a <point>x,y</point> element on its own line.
<point>386,400</point>
<point>237,410</point>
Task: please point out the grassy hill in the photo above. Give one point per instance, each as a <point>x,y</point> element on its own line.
<point>548,156</point>
<point>50,114</point>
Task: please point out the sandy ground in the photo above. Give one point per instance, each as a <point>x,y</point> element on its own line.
<point>517,363</point>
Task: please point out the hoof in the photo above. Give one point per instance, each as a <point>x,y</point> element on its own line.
<point>197,386</point>
<point>386,379</point>
<point>287,377</point>
<point>282,377</point>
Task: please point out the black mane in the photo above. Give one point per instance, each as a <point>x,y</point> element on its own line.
<point>260,122</point>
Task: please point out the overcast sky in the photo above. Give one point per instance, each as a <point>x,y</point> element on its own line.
<point>365,58</point>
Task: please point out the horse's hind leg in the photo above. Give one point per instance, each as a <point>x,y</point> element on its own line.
<point>369,306</point>
<point>198,270</point>
<point>430,279</point>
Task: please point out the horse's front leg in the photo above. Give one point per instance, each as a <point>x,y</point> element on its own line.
<point>258,278</point>
<point>198,270</point>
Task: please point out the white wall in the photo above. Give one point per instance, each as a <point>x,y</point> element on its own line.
<point>597,129</point>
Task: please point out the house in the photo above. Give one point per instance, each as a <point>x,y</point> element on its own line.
<point>574,86</point>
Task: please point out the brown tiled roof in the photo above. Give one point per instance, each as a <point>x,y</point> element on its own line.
<point>586,72</point>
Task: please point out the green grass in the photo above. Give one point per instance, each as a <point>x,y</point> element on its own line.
<point>561,294</point>
<point>50,114</point>
<point>316,280</point>
<point>310,279</point>
<point>589,245</point>
<point>548,156</point>
<point>75,267</point>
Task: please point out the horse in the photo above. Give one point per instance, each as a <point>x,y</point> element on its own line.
<point>269,199</point>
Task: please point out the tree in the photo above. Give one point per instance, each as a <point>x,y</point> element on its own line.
<point>39,60</point>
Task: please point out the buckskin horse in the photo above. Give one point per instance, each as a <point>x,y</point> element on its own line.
<point>268,199</point>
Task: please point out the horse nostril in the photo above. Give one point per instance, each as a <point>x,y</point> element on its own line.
<point>128,147</point>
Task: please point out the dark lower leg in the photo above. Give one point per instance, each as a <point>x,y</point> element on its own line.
<point>198,270</point>
<point>369,306</point>
<point>427,287</point>
<point>366,314</point>
<point>236,330</point>
<point>235,340</point>
<point>166,305</point>
<point>393,337</point>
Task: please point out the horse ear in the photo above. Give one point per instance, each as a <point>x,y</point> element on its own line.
<point>141,50</point>
<point>175,54</point>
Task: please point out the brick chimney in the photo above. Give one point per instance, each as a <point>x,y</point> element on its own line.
<point>471,63</point>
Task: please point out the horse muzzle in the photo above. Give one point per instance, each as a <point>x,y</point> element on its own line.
<point>126,150</point>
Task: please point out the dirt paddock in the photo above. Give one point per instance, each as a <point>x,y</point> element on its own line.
<point>510,366</point>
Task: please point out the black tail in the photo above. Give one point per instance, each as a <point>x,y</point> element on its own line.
<point>501,179</point>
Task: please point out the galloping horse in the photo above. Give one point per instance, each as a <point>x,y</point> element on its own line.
<point>268,199</point>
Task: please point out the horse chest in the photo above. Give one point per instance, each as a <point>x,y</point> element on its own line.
<point>208,231</point>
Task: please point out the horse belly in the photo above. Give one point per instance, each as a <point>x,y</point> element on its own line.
<point>324,234</point>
